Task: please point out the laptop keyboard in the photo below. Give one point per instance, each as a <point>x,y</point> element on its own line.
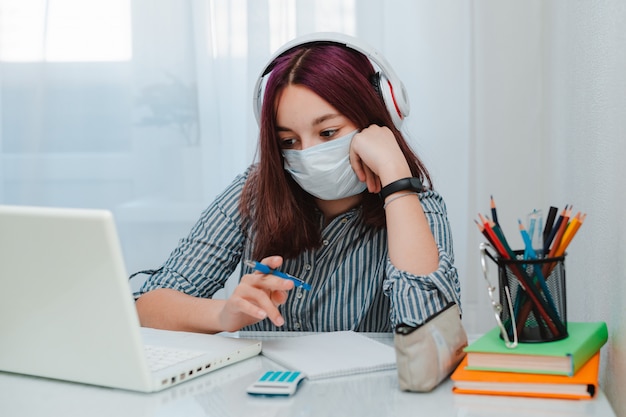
<point>160,357</point>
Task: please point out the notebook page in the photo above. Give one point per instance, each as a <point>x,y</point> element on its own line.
<point>330,354</point>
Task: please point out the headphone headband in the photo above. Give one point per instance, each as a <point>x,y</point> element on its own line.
<point>391,88</point>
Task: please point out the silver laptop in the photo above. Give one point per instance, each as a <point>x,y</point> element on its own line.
<point>67,312</point>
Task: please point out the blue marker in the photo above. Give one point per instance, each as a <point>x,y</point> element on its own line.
<point>258,266</point>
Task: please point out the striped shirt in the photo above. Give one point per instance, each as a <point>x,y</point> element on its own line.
<point>354,284</point>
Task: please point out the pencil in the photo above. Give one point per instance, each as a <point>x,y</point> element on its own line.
<point>559,233</point>
<point>528,244</point>
<point>551,248</point>
<point>482,230</point>
<point>547,242</point>
<point>536,270</point>
<point>570,232</point>
<point>552,320</point>
<point>494,211</point>
<point>493,239</point>
<point>549,222</point>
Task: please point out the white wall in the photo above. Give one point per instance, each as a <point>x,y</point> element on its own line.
<point>505,147</point>
<point>434,64</point>
<point>548,127</point>
<point>585,130</point>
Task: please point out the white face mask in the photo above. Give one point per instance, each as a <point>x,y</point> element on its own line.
<point>324,170</point>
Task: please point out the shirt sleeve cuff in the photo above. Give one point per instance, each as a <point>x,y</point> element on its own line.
<point>414,298</point>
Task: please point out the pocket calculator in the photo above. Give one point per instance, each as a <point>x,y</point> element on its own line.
<point>276,383</point>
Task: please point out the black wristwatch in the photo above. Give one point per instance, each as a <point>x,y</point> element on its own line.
<point>409,184</point>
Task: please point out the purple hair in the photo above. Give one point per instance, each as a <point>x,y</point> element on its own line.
<point>282,214</point>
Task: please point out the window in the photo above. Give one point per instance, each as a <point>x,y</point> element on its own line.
<point>65,30</point>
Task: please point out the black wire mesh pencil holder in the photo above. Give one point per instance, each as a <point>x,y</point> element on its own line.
<point>537,292</point>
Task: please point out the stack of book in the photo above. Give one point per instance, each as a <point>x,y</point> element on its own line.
<point>566,368</point>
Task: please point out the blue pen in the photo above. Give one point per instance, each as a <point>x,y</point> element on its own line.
<point>258,266</point>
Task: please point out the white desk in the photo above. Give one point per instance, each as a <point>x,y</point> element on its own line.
<point>222,393</point>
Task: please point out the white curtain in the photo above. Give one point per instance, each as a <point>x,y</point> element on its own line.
<point>144,107</point>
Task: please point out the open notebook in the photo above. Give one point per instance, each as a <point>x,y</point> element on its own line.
<point>67,312</point>
<point>330,354</point>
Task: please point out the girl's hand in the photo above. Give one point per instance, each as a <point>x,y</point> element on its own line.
<point>256,297</point>
<point>376,157</point>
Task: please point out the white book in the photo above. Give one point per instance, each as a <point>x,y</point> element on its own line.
<point>330,354</point>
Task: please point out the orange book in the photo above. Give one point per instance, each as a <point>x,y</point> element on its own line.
<point>583,385</point>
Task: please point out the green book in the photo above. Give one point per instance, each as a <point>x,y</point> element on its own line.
<point>560,357</point>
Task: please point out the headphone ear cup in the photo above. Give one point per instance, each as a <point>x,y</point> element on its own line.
<point>385,89</point>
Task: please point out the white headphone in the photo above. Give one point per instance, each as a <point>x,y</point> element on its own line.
<point>389,86</point>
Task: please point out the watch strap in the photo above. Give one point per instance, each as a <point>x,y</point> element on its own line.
<point>410,183</point>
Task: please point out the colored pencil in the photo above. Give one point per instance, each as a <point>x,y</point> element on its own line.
<point>494,211</point>
<point>563,222</point>
<point>549,222</point>
<point>568,235</point>
<point>550,247</point>
<point>570,232</point>
<point>495,240</point>
<point>559,233</point>
<point>552,320</point>
<point>535,294</point>
<point>537,273</point>
<point>547,242</point>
